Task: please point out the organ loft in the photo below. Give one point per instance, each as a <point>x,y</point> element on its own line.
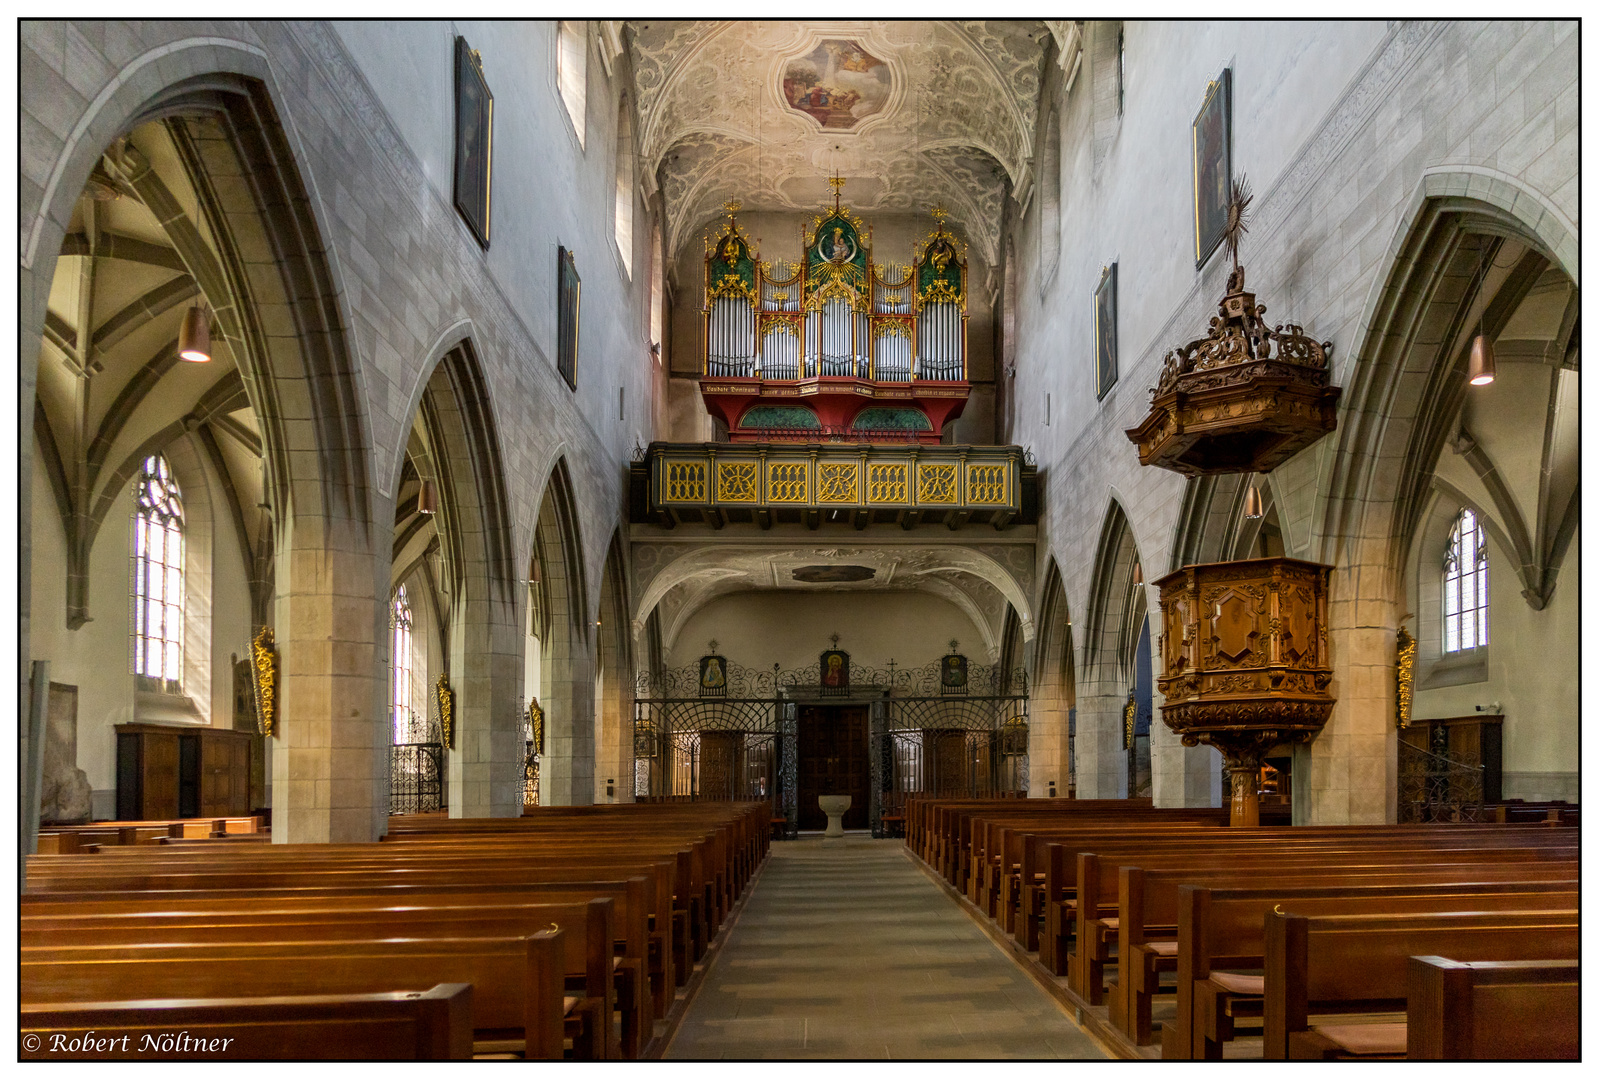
<point>687,540</point>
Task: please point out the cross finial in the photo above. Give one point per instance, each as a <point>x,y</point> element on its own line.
<point>838,188</point>
<point>712,643</point>
<point>732,206</point>
<point>954,646</point>
<point>834,640</point>
<point>939,214</point>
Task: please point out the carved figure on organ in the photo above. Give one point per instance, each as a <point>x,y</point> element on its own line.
<point>841,251</point>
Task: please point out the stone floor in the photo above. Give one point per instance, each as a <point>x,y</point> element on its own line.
<point>845,949</point>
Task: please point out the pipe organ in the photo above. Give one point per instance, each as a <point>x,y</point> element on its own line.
<point>836,313</point>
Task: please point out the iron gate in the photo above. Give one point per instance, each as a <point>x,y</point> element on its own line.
<point>738,740</point>
<point>416,767</point>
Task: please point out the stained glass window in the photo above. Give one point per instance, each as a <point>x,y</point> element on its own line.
<point>158,577</point>
<point>400,620</point>
<point>1466,586</point>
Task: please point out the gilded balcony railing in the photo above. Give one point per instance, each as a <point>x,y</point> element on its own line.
<point>859,483</point>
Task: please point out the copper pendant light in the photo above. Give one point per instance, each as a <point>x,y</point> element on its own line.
<point>1481,370</point>
<point>1253,510</point>
<point>427,498</point>
<point>194,336</point>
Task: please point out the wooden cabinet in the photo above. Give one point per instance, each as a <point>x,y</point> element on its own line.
<point>166,772</point>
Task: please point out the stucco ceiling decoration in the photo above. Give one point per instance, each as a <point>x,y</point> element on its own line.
<point>970,580</point>
<point>932,112</point>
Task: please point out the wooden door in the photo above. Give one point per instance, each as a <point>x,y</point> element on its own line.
<point>225,775</point>
<point>833,760</point>
<point>159,783</point>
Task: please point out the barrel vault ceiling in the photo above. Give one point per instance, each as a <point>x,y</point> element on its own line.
<point>913,114</point>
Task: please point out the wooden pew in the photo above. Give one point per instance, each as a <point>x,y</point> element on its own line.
<point>1221,927</point>
<point>586,961</point>
<point>518,986</point>
<point>1491,1010</point>
<point>1147,901</point>
<point>1349,963</point>
<point>431,1025</point>
<point>321,877</point>
<point>1098,882</point>
<point>714,847</point>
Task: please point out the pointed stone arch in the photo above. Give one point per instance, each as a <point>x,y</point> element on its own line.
<point>566,668</point>
<point>1403,388</point>
<point>1054,692</point>
<point>613,680</point>
<point>277,302</point>
<point>1116,611</point>
<point>455,444</point>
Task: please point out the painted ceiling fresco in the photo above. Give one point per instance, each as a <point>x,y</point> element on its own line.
<point>912,113</point>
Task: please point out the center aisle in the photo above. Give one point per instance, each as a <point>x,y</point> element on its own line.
<point>844,949</point>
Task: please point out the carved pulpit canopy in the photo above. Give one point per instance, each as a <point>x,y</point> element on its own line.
<point>1245,397</point>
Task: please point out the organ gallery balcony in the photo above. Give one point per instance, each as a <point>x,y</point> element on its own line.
<point>835,345</point>
<point>858,484</point>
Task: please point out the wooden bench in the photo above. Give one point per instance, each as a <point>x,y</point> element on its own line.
<point>318,874</point>
<point>587,964</point>
<point>1221,927</point>
<point>435,855</point>
<point>1098,900</point>
<point>430,1025</point>
<point>611,982</point>
<point>1493,1010</point>
<point>1147,899</point>
<point>518,993</point>
<point>1347,963</point>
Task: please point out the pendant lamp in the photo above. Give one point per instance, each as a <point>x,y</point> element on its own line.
<point>1253,510</point>
<point>194,336</point>
<point>1481,370</point>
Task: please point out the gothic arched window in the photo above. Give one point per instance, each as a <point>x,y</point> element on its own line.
<point>571,72</point>
<point>400,696</point>
<point>158,577</point>
<point>624,186</point>
<point>1466,586</point>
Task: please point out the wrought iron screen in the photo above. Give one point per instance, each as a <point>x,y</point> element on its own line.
<point>745,746</point>
<point>416,767</point>
<point>1436,787</point>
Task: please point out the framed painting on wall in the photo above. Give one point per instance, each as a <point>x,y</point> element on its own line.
<point>713,676</point>
<point>835,672</point>
<point>1213,166</point>
<point>568,292</point>
<point>1105,331</point>
<point>474,141</point>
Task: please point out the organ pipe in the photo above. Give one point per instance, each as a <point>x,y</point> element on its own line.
<point>845,314</point>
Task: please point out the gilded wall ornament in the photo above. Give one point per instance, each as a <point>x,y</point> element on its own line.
<point>264,669</point>
<point>446,700</point>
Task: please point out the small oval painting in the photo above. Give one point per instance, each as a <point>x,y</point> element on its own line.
<point>820,575</point>
<point>838,83</point>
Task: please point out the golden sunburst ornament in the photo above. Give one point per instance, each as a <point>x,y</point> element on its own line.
<point>1237,215</point>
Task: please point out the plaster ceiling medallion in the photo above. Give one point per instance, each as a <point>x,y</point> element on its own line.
<point>838,84</point>
<point>833,573</point>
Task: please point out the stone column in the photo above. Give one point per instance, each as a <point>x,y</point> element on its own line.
<point>1352,761</point>
<point>325,760</point>
<point>485,768</point>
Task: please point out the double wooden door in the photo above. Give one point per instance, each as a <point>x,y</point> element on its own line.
<point>833,761</point>
<point>166,772</point>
